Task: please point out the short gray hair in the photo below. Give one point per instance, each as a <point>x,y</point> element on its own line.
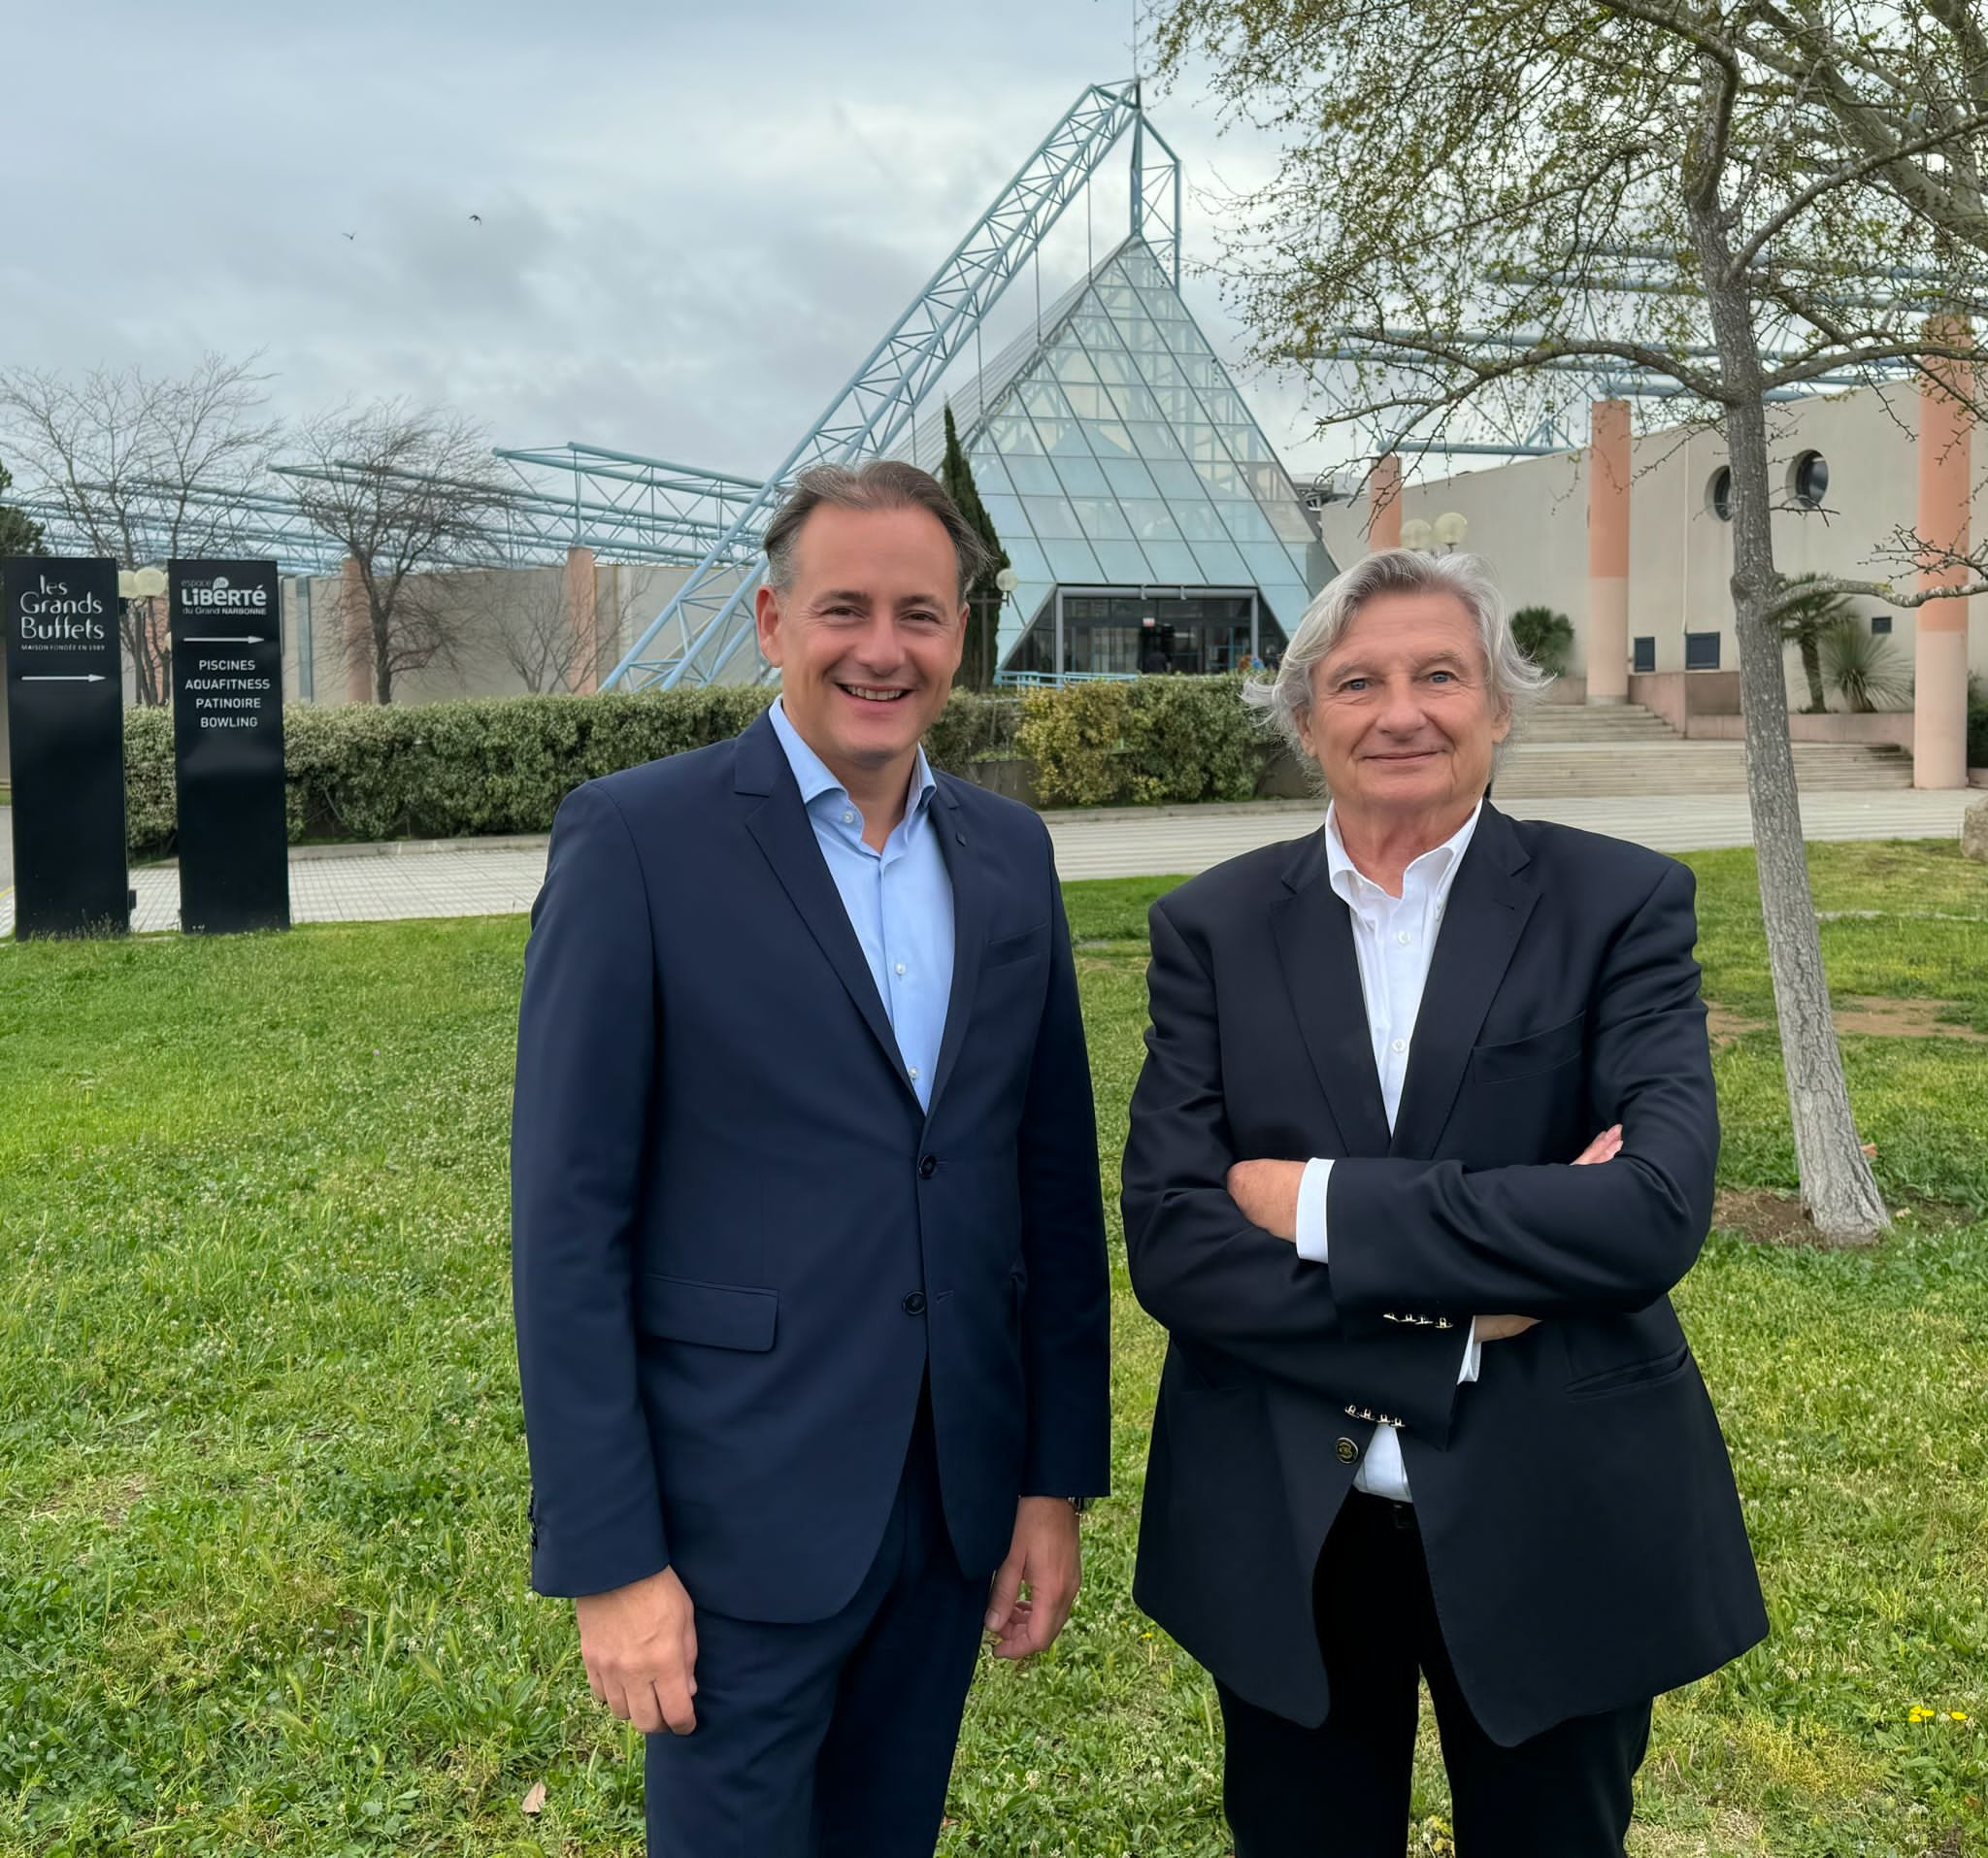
<point>1515,681</point>
<point>883,484</point>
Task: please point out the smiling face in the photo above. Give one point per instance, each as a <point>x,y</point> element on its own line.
<point>868,635</point>
<point>1403,721</point>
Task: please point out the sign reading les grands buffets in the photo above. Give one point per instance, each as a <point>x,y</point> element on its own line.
<point>65,718</point>
<point>228,746</point>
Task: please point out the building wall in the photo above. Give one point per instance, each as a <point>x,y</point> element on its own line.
<point>500,610</point>
<point>1529,520</point>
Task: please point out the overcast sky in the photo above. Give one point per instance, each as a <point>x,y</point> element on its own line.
<point>695,220</point>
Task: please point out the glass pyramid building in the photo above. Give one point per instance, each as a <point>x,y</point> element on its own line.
<point>1146,516</point>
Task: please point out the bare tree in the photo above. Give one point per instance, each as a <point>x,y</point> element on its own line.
<point>1479,207</point>
<point>406,491</point>
<point>143,468</point>
<point>532,620</point>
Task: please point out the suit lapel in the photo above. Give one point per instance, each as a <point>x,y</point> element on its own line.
<point>1489,904</point>
<point>784,833</point>
<point>970,917</point>
<point>1314,939</point>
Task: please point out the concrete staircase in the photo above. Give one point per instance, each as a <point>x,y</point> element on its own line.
<point>1626,749</point>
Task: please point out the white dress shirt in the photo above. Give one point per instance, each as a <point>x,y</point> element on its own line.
<point>1395,941</point>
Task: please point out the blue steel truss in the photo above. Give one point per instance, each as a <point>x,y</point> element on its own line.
<point>510,527</point>
<point>708,622</point>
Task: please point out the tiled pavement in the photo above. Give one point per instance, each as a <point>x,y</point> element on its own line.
<point>501,876</point>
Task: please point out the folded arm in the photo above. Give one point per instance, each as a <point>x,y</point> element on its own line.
<point>1550,1239</point>
<point>1208,1274</point>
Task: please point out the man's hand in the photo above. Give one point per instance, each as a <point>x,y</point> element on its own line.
<point>1046,1556</point>
<point>1605,1147</point>
<point>638,1643</point>
<point>1266,1192</point>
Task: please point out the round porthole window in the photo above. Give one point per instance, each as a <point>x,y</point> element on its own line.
<point>1718,493</point>
<point>1808,481</point>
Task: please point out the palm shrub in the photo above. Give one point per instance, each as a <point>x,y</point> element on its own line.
<point>1863,667</point>
<point>1544,636</point>
<point>1805,614</point>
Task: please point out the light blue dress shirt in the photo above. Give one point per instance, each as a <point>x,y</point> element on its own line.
<point>899,900</point>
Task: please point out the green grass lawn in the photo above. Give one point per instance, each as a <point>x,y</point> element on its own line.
<point>263,1569</point>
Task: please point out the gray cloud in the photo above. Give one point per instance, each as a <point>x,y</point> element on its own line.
<point>693,223</point>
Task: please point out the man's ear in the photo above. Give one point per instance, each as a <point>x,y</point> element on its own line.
<point>766,619</point>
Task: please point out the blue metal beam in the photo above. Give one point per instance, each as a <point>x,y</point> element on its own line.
<point>707,622</point>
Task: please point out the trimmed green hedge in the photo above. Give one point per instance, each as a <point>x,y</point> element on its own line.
<point>1149,741</point>
<point>490,765</point>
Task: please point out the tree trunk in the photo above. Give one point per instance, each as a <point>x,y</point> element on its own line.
<point>382,658</point>
<point>1837,1189</point>
<point>1810,649</point>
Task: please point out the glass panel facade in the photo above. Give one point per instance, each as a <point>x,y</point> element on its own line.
<point>1120,455</point>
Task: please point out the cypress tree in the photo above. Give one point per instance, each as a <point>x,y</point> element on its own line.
<point>983,597</point>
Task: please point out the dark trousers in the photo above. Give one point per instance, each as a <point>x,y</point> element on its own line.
<point>835,1739</point>
<point>1341,1790</point>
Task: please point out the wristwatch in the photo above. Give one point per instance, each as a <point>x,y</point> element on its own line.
<point>1079,1503</point>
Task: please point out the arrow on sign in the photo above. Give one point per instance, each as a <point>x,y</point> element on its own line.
<point>210,639</point>
<point>62,677</point>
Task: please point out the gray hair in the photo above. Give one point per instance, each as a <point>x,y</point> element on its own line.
<point>883,484</point>
<point>1515,681</point>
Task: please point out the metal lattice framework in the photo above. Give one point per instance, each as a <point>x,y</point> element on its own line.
<point>158,520</point>
<point>512,526</point>
<point>620,506</point>
<point>625,494</point>
<point>708,622</point>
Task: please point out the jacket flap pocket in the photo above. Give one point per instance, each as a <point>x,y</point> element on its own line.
<point>1017,948</point>
<point>1538,1051</point>
<point>718,1315</point>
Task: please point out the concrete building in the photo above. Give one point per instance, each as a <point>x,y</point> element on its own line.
<point>1631,538</point>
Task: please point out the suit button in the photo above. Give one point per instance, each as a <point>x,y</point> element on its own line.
<point>915,1303</point>
<point>1347,1451</point>
<point>928,1166</point>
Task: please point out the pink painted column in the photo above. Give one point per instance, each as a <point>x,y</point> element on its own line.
<point>576,601</point>
<point>1609,472</point>
<point>1940,646</point>
<point>358,643</point>
<point>1384,504</point>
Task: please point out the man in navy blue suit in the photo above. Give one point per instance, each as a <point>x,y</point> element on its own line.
<point>809,1256</point>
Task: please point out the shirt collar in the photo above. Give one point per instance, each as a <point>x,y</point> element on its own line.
<point>814,777</point>
<point>1435,868</point>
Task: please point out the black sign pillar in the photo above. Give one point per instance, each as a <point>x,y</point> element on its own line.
<point>228,746</point>
<point>65,717</point>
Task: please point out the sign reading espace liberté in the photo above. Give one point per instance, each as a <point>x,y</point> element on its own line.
<point>65,718</point>
<point>228,746</point>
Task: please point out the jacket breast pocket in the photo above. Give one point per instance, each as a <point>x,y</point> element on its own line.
<point>1536,1052</point>
<point>1016,947</point>
<point>715,1316</point>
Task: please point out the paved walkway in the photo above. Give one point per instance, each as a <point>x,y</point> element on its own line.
<point>500,876</point>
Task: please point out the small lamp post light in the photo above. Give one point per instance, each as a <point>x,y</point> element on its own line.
<point>140,583</point>
<point>1417,533</point>
<point>1006,581</point>
<point>1451,528</point>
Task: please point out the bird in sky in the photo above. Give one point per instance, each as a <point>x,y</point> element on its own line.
<point>348,235</point>
<point>476,218</point>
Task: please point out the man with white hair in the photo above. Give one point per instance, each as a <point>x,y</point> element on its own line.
<point>1411,1213</point>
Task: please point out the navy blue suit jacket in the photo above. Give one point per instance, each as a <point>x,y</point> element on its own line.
<point>1584,1534</point>
<point>738,1243</point>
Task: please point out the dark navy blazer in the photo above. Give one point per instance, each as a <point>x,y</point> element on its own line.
<point>739,1245</point>
<point>1584,1534</point>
